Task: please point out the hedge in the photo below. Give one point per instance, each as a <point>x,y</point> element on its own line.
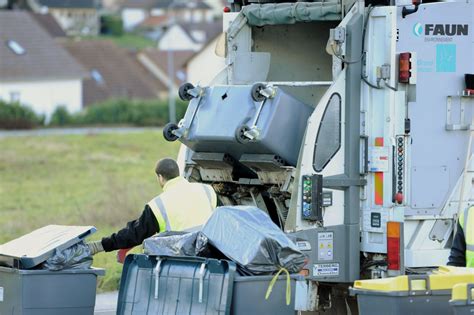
<point>120,112</point>
<point>111,112</point>
<point>111,25</point>
<point>17,116</point>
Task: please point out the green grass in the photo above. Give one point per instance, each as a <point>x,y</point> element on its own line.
<point>96,179</point>
<point>128,40</point>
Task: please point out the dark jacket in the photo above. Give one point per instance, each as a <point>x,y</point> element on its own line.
<point>134,233</point>
<point>457,257</point>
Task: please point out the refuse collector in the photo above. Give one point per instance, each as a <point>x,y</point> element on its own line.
<point>462,250</point>
<point>181,205</point>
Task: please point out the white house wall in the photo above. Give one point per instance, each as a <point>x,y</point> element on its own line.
<point>204,66</point>
<point>177,39</point>
<point>45,96</point>
<point>132,17</point>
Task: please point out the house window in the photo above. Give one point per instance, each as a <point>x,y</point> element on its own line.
<point>15,47</point>
<point>98,78</point>
<point>15,96</point>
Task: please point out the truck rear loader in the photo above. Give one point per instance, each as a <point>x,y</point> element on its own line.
<point>350,123</point>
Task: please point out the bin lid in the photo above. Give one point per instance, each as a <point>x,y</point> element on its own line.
<point>444,278</point>
<point>36,247</point>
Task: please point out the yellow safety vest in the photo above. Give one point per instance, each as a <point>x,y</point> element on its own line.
<point>466,220</point>
<point>183,205</point>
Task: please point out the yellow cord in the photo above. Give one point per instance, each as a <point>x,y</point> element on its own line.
<point>288,285</point>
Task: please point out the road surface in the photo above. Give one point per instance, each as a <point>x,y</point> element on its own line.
<point>106,303</point>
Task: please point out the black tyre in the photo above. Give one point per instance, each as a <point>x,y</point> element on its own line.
<point>183,91</point>
<point>256,88</point>
<point>168,132</point>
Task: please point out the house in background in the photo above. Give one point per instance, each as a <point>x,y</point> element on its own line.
<point>134,12</point>
<point>157,63</point>
<point>76,17</point>
<point>112,6</point>
<point>34,69</point>
<point>189,36</point>
<point>206,59</point>
<point>153,27</point>
<point>217,6</point>
<point>113,72</point>
<point>49,24</point>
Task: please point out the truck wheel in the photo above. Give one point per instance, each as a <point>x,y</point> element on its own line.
<point>183,91</point>
<point>168,134</point>
<point>240,134</point>
<point>255,92</point>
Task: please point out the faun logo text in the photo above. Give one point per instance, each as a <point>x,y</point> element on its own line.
<point>440,32</point>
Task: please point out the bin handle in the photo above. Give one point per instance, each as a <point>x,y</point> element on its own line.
<point>288,285</point>
<point>419,277</point>
<point>187,125</point>
<point>201,280</point>
<point>157,277</point>
<point>470,287</point>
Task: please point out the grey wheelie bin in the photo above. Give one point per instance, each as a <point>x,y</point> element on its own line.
<point>237,120</point>
<point>194,285</point>
<point>27,289</point>
<point>462,301</point>
<point>410,295</point>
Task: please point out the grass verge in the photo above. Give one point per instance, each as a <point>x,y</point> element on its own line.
<point>95,179</point>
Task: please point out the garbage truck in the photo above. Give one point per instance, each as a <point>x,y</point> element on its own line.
<point>350,123</point>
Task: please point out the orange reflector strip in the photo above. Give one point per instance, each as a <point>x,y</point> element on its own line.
<point>378,178</point>
<point>379,142</point>
<point>378,185</point>
<point>393,229</point>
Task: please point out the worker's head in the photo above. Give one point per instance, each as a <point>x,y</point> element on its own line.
<point>166,169</point>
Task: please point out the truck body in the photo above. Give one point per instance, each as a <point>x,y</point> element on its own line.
<point>384,163</point>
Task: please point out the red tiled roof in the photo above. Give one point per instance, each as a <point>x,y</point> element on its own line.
<point>154,21</point>
<point>119,72</point>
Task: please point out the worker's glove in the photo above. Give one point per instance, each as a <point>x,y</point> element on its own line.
<point>95,247</point>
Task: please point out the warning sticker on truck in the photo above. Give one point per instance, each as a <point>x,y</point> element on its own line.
<point>325,269</point>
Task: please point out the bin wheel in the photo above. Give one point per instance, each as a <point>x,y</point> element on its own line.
<point>168,132</point>
<point>240,134</point>
<point>255,92</point>
<point>183,91</point>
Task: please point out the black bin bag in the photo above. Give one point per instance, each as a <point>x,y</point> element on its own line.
<point>249,237</point>
<point>171,243</point>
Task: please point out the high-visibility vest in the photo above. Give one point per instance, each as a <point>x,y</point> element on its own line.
<point>466,220</point>
<point>183,205</point>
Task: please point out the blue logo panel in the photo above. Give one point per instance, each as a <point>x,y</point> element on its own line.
<point>446,58</point>
<point>417,29</point>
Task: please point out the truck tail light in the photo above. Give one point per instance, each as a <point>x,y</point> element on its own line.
<point>404,72</point>
<point>393,245</point>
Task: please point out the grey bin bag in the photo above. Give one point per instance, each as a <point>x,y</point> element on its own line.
<point>171,244</point>
<point>77,256</point>
<point>249,237</point>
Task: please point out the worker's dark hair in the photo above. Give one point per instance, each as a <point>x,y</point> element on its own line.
<point>168,168</point>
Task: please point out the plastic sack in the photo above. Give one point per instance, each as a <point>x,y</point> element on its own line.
<point>249,237</point>
<point>171,244</point>
<point>75,257</point>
